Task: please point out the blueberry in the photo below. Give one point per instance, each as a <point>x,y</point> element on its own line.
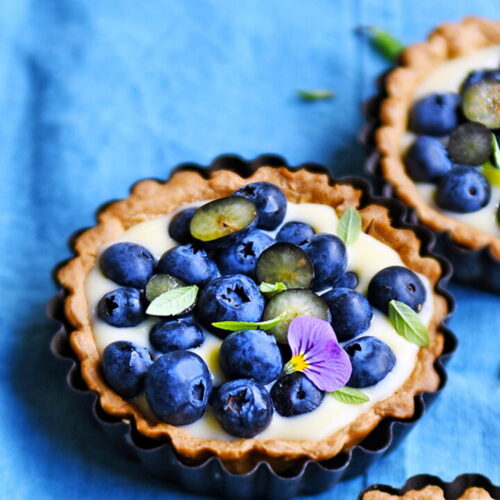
<point>128,264</point>
<point>223,222</point>
<point>242,407</point>
<point>178,229</point>
<point>286,263</point>
<point>270,201</point>
<point>396,283</point>
<point>427,159</point>
<point>436,114</point>
<point>329,258</point>
<point>160,284</point>
<point>125,365</point>
<point>298,233</point>
<point>176,334</point>
<point>229,298</point>
<point>351,313</point>
<point>481,102</point>
<point>463,190</point>
<point>251,354</point>
<point>241,257</point>
<point>476,76</point>
<point>178,386</point>
<point>371,361</point>
<point>122,307</point>
<point>190,263</point>
<point>294,303</point>
<point>346,280</point>
<point>295,394</point>
<point>470,144</point>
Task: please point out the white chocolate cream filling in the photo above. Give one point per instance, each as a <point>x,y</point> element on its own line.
<point>366,257</point>
<point>447,78</point>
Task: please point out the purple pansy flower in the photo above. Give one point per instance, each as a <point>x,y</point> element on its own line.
<point>316,353</point>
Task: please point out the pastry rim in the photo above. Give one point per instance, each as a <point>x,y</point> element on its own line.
<point>447,41</point>
<point>429,492</point>
<point>150,199</point>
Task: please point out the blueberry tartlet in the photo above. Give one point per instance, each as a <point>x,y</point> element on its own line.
<point>263,318</point>
<point>425,487</point>
<point>439,133</point>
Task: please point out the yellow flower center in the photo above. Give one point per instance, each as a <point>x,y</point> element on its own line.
<point>297,363</point>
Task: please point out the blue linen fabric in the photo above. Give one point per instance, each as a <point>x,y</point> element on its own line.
<point>97,94</point>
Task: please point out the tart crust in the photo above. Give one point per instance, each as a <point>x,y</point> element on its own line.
<point>429,493</point>
<point>150,199</point>
<point>448,41</point>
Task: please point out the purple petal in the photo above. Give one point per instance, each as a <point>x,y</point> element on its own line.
<point>329,365</point>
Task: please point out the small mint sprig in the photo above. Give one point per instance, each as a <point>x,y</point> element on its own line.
<point>350,395</point>
<point>173,302</point>
<point>386,44</point>
<point>349,227</point>
<point>272,287</point>
<point>235,326</point>
<point>495,155</point>
<point>315,94</point>
<point>408,324</point>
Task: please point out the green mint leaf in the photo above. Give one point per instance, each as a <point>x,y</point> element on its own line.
<point>315,94</point>
<point>407,323</point>
<point>272,287</point>
<point>234,326</point>
<point>495,155</point>
<point>349,227</point>
<point>385,43</point>
<point>350,396</point>
<point>173,302</point>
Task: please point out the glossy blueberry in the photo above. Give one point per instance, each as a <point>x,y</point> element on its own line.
<point>125,365</point>
<point>351,313</point>
<point>178,228</point>
<point>371,361</point>
<point>241,257</point>
<point>470,144</point>
<point>292,304</point>
<point>436,114</point>
<point>122,307</point>
<point>242,407</point>
<point>270,201</point>
<point>480,103</point>
<point>229,298</point>
<point>427,159</point>
<point>223,222</point>
<point>128,264</point>
<point>298,233</point>
<point>396,283</point>
<point>295,394</point>
<point>190,263</point>
<point>286,263</point>
<point>176,334</point>
<point>348,279</point>
<point>481,74</point>
<point>251,354</point>
<point>329,258</point>
<point>177,387</point>
<point>463,190</point>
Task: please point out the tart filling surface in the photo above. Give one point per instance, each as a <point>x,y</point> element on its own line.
<point>366,257</point>
<point>320,433</point>
<point>450,190</point>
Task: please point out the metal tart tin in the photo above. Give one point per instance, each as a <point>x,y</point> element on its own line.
<point>211,477</point>
<point>474,267</point>
<point>451,490</point>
